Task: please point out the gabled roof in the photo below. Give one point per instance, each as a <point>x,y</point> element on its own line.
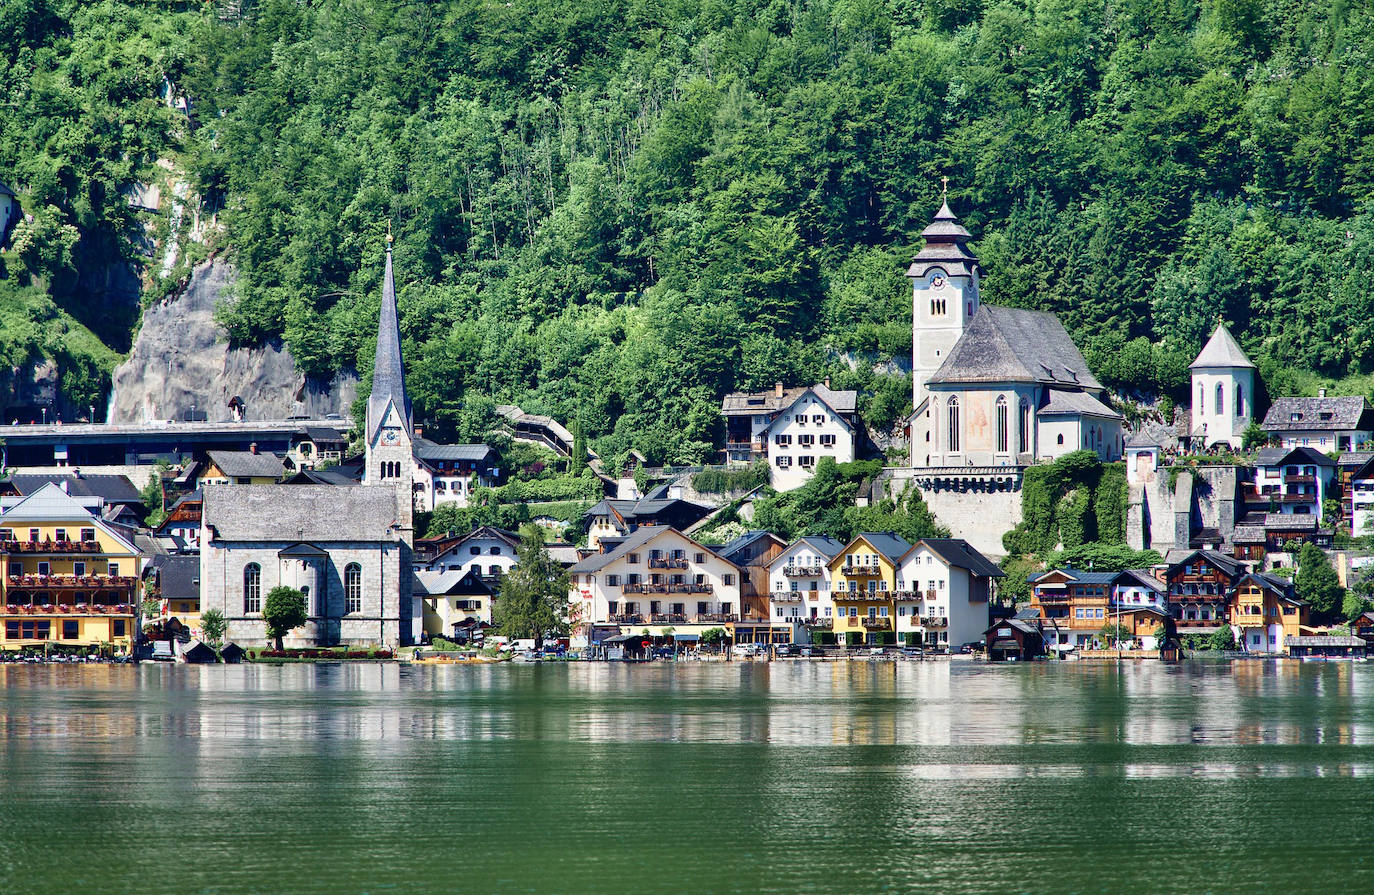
<point>1013,345</point>
<point>1305,414</point>
<point>1059,401</point>
<point>322,435</point>
<point>890,545</point>
<point>51,504</point>
<point>247,464</point>
<point>842,402</point>
<point>291,513</point>
<point>823,545</point>
<point>490,532</point>
<point>634,541</point>
<point>730,548</point>
<point>302,550</point>
<point>1280,456</point>
<point>336,476</point>
<point>1273,583</point>
<point>958,552</point>
<point>110,488</point>
<point>1221,351</point>
<point>1139,578</point>
<point>1228,564</point>
<point>388,370</point>
<point>429,450</point>
<point>453,582</point>
<point>178,576</point>
<point>1141,439</point>
<point>5,190</point>
<point>1079,576</point>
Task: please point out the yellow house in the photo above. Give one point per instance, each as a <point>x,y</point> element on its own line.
<point>1264,613</point>
<point>863,577</point>
<point>70,578</point>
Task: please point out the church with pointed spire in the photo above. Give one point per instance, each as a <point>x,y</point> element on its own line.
<point>993,387</point>
<point>388,434</point>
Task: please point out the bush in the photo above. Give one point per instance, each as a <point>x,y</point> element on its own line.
<point>721,481</point>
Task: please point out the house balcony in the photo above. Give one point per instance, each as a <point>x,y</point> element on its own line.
<point>631,618</point>
<point>744,447</point>
<point>669,618</point>
<point>787,596</point>
<point>855,596</point>
<point>935,621</point>
<point>69,609</point>
<point>667,589</point>
<point>70,582</point>
<point>877,624</point>
<point>818,622</point>
<point>717,617</point>
<point>803,571</point>
<point>862,571</point>
<point>50,547</point>
<point>1052,596</point>
<point>1299,480</point>
<point>902,595</point>
<point>667,563</point>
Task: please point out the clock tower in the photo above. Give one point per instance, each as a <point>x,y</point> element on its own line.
<point>390,453</point>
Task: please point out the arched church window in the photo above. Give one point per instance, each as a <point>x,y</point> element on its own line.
<point>1221,399</point>
<point>1023,437</point>
<point>954,424</point>
<point>1002,439</point>
<point>1202,397</point>
<point>353,588</point>
<point>252,588</point>
<point>1240,399</point>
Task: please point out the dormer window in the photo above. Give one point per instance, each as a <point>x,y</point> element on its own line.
<point>1294,417</point>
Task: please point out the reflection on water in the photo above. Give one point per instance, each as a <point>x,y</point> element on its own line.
<point>822,777</point>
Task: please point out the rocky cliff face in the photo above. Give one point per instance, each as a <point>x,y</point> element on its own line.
<point>182,359</point>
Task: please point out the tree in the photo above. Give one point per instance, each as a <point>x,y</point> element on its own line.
<point>1223,639</point>
<point>283,611</point>
<point>1113,633</point>
<point>213,628</point>
<point>1317,583</point>
<point>1254,437</point>
<point>534,594</point>
<point>713,636</point>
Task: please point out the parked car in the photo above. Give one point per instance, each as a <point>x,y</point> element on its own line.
<point>913,652</point>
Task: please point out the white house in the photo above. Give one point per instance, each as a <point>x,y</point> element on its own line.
<point>9,213</point>
<point>1362,499</point>
<point>993,386</point>
<point>488,551</point>
<point>792,429</point>
<point>655,579</point>
<point>799,581</point>
<point>1223,392</point>
<point>1138,589</point>
<point>1327,424</point>
<point>1294,480</point>
<point>449,473</point>
<point>455,603</point>
<point>944,589</point>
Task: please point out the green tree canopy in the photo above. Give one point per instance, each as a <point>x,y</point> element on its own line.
<point>1317,583</point>
<point>283,611</point>
<point>534,594</point>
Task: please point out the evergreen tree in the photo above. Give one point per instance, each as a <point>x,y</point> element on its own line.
<point>533,602</point>
<point>1317,583</point>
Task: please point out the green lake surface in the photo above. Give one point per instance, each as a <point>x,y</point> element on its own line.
<point>840,777</point>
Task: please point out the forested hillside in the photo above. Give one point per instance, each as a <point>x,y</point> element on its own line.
<point>615,210</point>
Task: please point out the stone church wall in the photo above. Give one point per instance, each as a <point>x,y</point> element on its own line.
<point>976,512</point>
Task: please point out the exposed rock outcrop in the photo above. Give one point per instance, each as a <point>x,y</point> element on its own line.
<point>182,359</point>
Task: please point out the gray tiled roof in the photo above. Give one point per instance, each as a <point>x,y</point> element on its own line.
<point>598,561</point>
<point>1303,414</point>
<point>735,545</point>
<point>1280,456</point>
<point>944,247</point>
<point>823,544</point>
<point>1013,345</point>
<point>1072,402</point>
<point>429,450</point>
<point>111,488</point>
<point>889,544</point>
<point>958,552</point>
<point>1143,578</point>
<point>178,576</point>
<point>842,401</point>
<point>247,464</point>
<point>1221,351</point>
<point>388,370</point>
<point>319,513</point>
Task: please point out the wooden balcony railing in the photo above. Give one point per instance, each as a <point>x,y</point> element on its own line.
<point>49,546</point>
<point>803,571</point>
<point>69,609</point>
<point>866,571</point>
<point>818,622</point>
<point>97,582</point>
<point>787,596</point>
<point>667,563</point>
<point>877,624</point>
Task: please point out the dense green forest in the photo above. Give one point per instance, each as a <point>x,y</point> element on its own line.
<point>614,211</point>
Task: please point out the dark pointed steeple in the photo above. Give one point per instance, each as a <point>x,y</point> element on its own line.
<point>388,372</point>
<point>945,246</point>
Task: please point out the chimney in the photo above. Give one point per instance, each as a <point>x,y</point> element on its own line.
<point>1321,392</point>
<point>827,382</point>
<point>76,472</point>
<point>419,431</point>
<point>777,389</point>
<point>253,448</point>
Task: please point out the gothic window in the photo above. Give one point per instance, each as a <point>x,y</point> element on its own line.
<point>252,588</point>
<point>1002,440</point>
<point>1240,400</point>
<point>1023,437</point>
<point>1202,397</point>
<point>954,424</point>
<point>1221,399</point>
<point>353,588</point>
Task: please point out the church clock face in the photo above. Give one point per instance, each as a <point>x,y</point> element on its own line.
<point>390,436</point>
<point>937,281</point>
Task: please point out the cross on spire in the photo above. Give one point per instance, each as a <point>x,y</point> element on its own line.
<point>388,234</point>
<point>944,187</point>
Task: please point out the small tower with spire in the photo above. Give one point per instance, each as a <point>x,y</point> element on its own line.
<point>944,279</point>
<point>388,443</point>
<point>1223,392</point>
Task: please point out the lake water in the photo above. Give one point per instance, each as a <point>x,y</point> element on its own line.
<point>792,777</point>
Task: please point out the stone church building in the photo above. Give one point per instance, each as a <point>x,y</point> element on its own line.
<point>993,386</point>
<point>348,548</point>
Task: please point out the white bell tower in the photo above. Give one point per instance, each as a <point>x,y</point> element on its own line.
<point>944,280</point>
<point>1223,392</point>
<point>388,441</point>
